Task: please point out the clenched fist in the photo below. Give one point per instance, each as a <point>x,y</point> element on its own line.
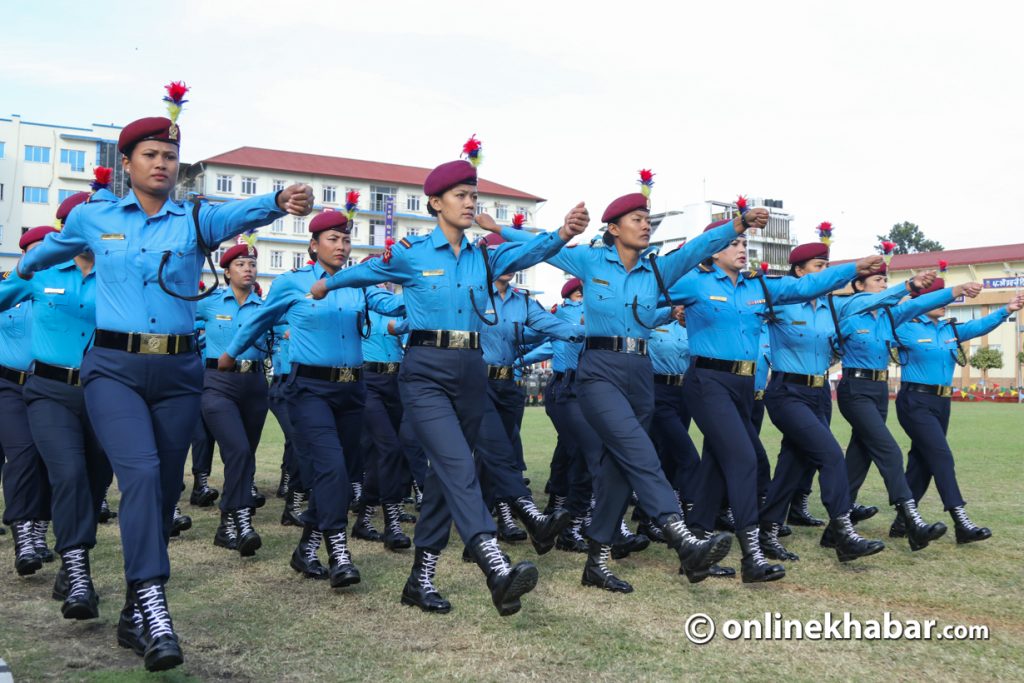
<point>296,199</point>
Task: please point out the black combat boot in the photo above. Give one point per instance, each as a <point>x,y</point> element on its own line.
<point>60,585</point>
<point>419,590</point>
<point>596,572</point>
<point>966,530</point>
<point>130,626</point>
<point>543,529</point>
<point>897,529</point>
<point>848,543</point>
<point>770,544</point>
<point>81,601</point>
<point>506,582</point>
<point>800,512</point>
<point>628,542</point>
<point>649,528</point>
<point>202,496</point>
<point>258,499</point>
<point>39,528</point>
<point>725,521</point>
<point>162,648</point>
<point>105,513</point>
<point>248,540</point>
<point>406,517</point>
<point>508,530</point>
<point>858,513</point>
<point>417,495</point>
<point>695,556</point>
<point>180,522</point>
<point>571,540</point>
<point>356,499</point>
<point>227,534</point>
<point>754,568</point>
<point>363,528</point>
<point>342,572</point>
<point>292,514</point>
<point>394,537</point>
<point>26,558</point>
<point>305,559</point>
<point>282,486</point>
<point>919,533</point>
<point>555,502</point>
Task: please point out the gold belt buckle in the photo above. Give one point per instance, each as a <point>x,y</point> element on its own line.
<point>458,339</point>
<point>344,375</point>
<point>244,366</point>
<point>945,392</point>
<point>817,381</point>
<point>392,368</point>
<point>504,372</point>
<point>745,367</point>
<point>153,343</point>
<point>882,375</point>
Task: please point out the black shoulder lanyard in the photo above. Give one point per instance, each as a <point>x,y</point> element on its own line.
<point>959,356</point>
<point>839,346</point>
<point>898,352</point>
<point>653,260</point>
<point>769,314</point>
<point>364,315</point>
<point>204,248</point>
<point>490,290</point>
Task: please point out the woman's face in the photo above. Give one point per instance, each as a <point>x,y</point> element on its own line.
<point>333,247</point>
<point>734,257</point>
<point>242,272</point>
<point>457,206</point>
<point>633,230</point>
<point>814,265</point>
<point>874,284</point>
<point>152,167</point>
<point>576,296</point>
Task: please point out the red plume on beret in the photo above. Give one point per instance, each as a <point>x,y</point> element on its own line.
<point>741,204</point>
<point>472,149</point>
<point>202,286</point>
<point>764,266</point>
<point>351,203</point>
<point>101,178</point>
<point>943,264</point>
<point>888,247</point>
<point>646,181</point>
<point>824,231</point>
<point>518,220</point>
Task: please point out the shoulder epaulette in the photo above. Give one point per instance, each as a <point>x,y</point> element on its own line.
<point>405,242</point>
<point>701,268</point>
<point>7,273</point>
<point>752,274</point>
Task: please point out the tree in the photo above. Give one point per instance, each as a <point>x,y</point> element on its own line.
<point>985,359</point>
<point>908,239</point>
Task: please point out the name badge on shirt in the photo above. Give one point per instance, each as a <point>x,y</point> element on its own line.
<point>755,302</point>
<point>863,331</point>
<point>718,298</point>
<point>799,322</point>
<point>433,273</point>
<point>53,290</point>
<point>223,317</point>
<point>660,329</point>
<point>599,281</point>
<point>112,236</point>
<point>924,341</point>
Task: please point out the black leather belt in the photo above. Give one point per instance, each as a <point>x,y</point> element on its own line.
<point>744,368</point>
<point>146,343</point>
<point>445,339</point>
<point>934,389</point>
<point>12,375</point>
<point>557,376</point>
<point>58,373</point>
<point>501,372</point>
<point>383,368</point>
<point>240,365</point>
<point>570,376</point>
<point>632,345</point>
<point>863,373</point>
<point>813,381</point>
<point>329,374</point>
<point>671,380</point>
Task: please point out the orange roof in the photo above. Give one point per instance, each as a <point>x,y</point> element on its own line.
<point>956,257</point>
<point>339,167</point>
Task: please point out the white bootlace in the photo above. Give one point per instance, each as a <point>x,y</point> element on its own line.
<point>338,547</point>
<point>847,525</point>
<point>505,512</point>
<point>366,518</point>
<point>25,535</point>
<point>393,517</point>
<point>229,528</point>
<point>177,513</point>
<point>804,505</point>
<point>603,558</point>
<point>961,518</point>
<point>313,545</point>
<point>244,517</point>
<point>202,483</point>
<point>574,529</point>
<point>624,530</point>
<point>560,502</point>
<point>417,493</point>
<point>530,508</point>
<point>493,557</point>
<point>427,572</point>
<point>755,546</point>
<point>39,529</point>
<point>154,608</point>
<point>77,572</point>
<point>910,508</point>
<point>286,480</point>
<point>357,490</point>
<point>679,526</point>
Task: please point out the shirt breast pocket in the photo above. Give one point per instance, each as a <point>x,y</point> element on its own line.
<point>437,294</point>
<point>58,318</point>
<point>112,261</point>
<point>179,266</point>
<point>14,322</point>
<point>311,313</point>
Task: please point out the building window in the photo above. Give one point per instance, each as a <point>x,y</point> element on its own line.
<point>35,195</point>
<point>500,212</point>
<point>277,185</point>
<point>276,259</point>
<point>64,194</point>
<point>224,183</point>
<point>1,150</point>
<point>248,185</point>
<point>297,259</point>
<point>38,154</point>
<point>277,226</point>
<point>412,231</point>
<point>481,208</point>
<point>355,231</point>
<point>376,233</point>
<point>218,254</point>
<point>379,195</point>
<point>523,210</point>
<point>330,194</point>
<point>75,158</point>
<point>520,278</point>
<point>299,225</point>
<point>1,191</point>
<point>412,202</point>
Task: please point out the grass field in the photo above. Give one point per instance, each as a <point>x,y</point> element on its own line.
<point>255,619</point>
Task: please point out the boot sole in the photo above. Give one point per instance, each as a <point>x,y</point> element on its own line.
<point>36,565</point>
<point>767,578</point>
<point>400,544</point>
<point>132,644</point>
<point>523,581</point>
<point>249,548</point>
<point>852,557</point>
<point>345,581</point>
<point>610,589</point>
<point>168,659</point>
<point>964,541</point>
<point>291,521</point>
<point>80,611</point>
<point>409,602</point>
<point>301,569</point>
<point>715,554</point>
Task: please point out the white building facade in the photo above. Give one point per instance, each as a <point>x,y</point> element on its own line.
<point>40,165</point>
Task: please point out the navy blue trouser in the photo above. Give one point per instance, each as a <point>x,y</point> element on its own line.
<point>498,466</point>
<point>443,392</point>
<point>671,436</point>
<point>144,409</point>
<point>764,468</point>
<point>721,404</point>
<point>26,486</point>
<point>865,405</point>
<point>78,469</point>
<point>616,394</point>
<point>803,415</point>
<point>202,448</point>
<point>581,444</point>
<point>328,420</point>
<point>278,404</point>
<point>235,409</point>
<point>558,470</point>
<point>415,458</point>
<point>925,419</point>
<point>384,458</point>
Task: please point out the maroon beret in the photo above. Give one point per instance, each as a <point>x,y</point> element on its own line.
<point>150,128</point>
<point>717,224</point>
<point>570,286</point>
<point>35,235</point>
<point>805,252</point>
<point>884,270</point>
<point>329,220</point>
<point>71,202</point>
<point>938,284</point>
<point>623,205</point>
<point>492,239</point>
<point>447,176</point>
<point>236,251</point>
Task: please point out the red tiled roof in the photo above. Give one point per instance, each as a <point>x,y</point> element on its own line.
<point>956,257</point>
<point>339,167</point>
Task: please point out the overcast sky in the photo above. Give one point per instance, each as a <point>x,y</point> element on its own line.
<point>860,113</point>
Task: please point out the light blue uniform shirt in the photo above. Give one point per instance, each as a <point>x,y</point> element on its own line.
<point>669,349</point>
<point>764,359</point>
<point>724,320</point>
<point>63,312</point>
<point>324,332</point>
<point>221,317</point>
<point>932,348</point>
<point>567,354</point>
<point>279,351</point>
<point>516,311</point>
<point>437,286</point>
<point>382,346</point>
<point>129,246</point>
<point>16,336</point>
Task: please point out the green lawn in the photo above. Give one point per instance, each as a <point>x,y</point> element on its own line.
<point>255,619</point>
